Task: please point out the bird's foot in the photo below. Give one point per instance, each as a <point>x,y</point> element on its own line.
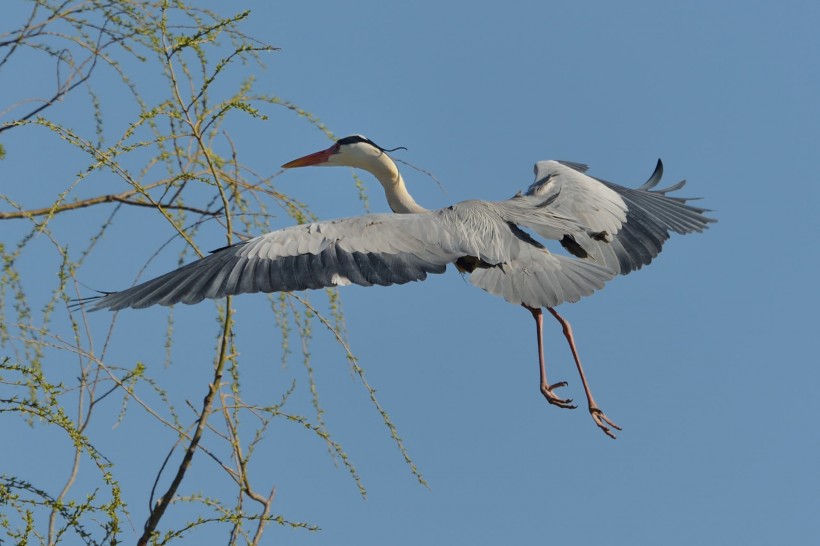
<point>602,421</point>
<point>552,398</point>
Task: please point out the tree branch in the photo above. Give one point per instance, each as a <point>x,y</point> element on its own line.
<point>110,198</point>
<point>207,403</point>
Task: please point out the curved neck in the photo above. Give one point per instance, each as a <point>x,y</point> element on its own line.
<point>399,199</point>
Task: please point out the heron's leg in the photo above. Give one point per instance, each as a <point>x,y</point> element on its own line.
<point>600,417</point>
<point>546,388</point>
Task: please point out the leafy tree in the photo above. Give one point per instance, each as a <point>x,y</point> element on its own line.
<point>144,95</point>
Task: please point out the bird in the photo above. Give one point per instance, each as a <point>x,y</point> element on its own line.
<point>624,230</point>
<point>605,230</point>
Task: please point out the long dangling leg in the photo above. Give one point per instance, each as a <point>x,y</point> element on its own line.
<point>546,388</point>
<point>599,416</point>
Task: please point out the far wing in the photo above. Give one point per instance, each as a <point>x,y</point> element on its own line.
<point>633,223</point>
<point>564,189</point>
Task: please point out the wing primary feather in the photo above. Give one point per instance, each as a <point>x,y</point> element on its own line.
<point>654,178</point>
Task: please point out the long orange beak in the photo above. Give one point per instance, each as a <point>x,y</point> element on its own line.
<point>316,158</point>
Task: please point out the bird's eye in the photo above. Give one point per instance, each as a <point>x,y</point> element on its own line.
<point>336,148</point>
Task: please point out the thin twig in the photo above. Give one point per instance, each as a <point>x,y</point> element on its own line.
<point>111,198</point>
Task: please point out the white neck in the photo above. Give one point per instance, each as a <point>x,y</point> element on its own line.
<point>386,172</point>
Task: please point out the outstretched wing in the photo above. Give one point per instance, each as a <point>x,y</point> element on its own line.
<point>365,250</point>
<point>377,250</point>
<point>627,227</point>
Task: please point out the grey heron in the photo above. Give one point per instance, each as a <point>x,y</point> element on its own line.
<point>608,230</point>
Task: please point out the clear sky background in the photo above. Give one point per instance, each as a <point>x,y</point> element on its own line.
<point>707,358</point>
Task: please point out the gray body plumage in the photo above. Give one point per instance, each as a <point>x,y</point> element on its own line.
<point>610,230</point>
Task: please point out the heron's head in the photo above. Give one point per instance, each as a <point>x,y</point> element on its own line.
<point>353,151</point>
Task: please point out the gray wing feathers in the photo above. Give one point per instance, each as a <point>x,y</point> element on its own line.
<point>655,177</point>
<point>635,237</point>
<point>667,212</point>
<point>368,250</point>
<point>540,279</point>
<point>379,250</point>
<point>651,215</point>
<point>580,167</point>
<point>569,192</point>
<point>620,229</point>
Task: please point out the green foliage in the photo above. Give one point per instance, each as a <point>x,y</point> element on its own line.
<point>172,65</point>
<point>23,502</point>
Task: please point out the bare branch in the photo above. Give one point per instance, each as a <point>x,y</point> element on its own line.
<point>163,502</point>
<point>110,198</point>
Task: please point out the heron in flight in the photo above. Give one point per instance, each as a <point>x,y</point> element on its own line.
<point>624,229</point>
<point>606,228</point>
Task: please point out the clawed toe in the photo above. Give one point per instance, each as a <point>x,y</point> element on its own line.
<point>602,421</point>
<point>552,398</point>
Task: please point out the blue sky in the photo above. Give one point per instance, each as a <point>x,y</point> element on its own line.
<point>707,358</point>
